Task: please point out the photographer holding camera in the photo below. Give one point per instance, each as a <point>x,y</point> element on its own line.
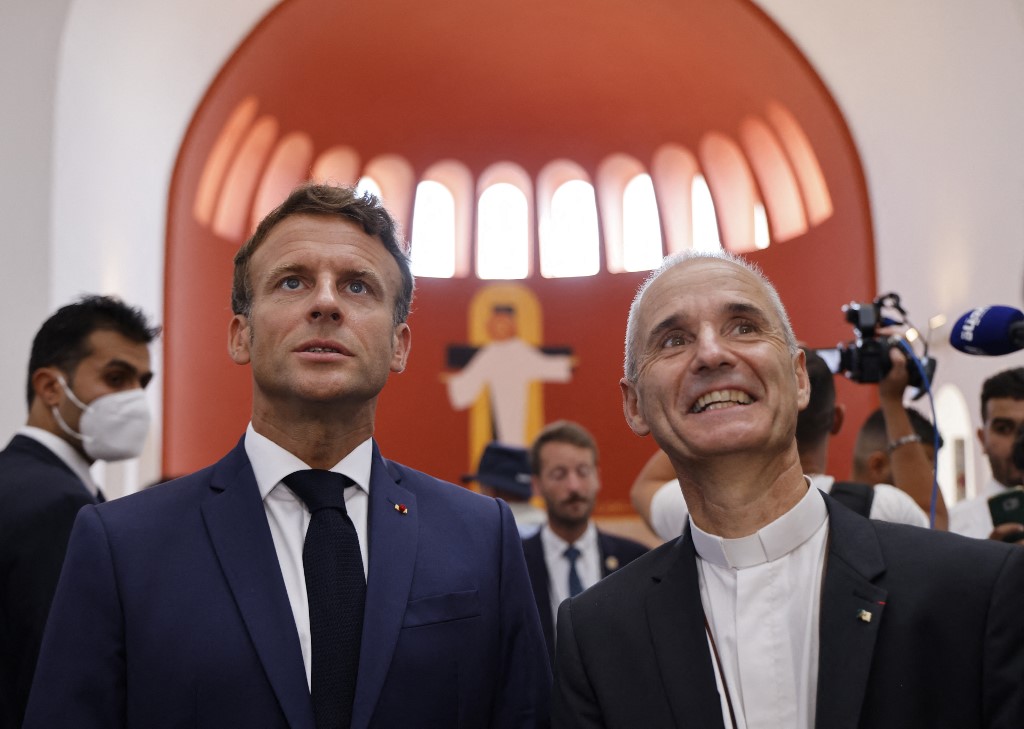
<point>1001,434</point>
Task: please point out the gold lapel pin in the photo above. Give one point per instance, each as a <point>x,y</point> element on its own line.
<point>401,509</point>
<point>611,562</point>
<point>864,616</point>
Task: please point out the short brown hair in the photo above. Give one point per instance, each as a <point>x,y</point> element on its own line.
<point>561,431</point>
<point>327,201</point>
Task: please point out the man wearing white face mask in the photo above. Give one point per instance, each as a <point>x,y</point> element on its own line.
<point>87,370</point>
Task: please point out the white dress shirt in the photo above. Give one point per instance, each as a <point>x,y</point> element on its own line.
<point>971,517</point>
<point>761,596</point>
<point>588,564</point>
<point>669,510</point>
<point>63,450</point>
<point>288,516</point>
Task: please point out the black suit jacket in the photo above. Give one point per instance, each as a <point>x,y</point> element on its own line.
<point>944,648</point>
<point>615,552</point>
<point>39,498</point>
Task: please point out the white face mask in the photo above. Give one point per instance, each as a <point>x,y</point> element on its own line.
<point>114,426</point>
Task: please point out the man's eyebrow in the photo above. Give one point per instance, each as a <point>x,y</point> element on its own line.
<point>732,308</point>
<point>278,271</point>
<point>672,321</point>
<point>144,377</point>
<point>1012,422</point>
<point>745,309</point>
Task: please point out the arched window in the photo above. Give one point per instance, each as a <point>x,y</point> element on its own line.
<point>817,200</point>
<point>762,238</point>
<point>673,169</point>
<point>613,175</point>
<point>367,184</point>
<point>457,181</point>
<point>231,219</point>
<point>705,222</point>
<point>395,180</point>
<point>287,168</point>
<point>641,227</point>
<point>776,180</point>
<point>502,233</point>
<point>569,247</point>
<point>504,230</point>
<point>338,165</point>
<point>433,231</point>
<point>569,233</point>
<point>956,467</point>
<point>732,183</point>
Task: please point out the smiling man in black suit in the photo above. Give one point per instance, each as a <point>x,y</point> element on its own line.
<point>776,607</point>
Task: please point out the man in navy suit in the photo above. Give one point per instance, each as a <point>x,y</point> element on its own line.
<point>569,553</point>
<point>187,605</point>
<point>776,607</point>
<point>89,361</point>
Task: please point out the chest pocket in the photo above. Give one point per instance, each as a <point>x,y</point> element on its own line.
<point>441,608</point>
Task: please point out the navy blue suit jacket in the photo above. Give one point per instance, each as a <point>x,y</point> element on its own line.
<point>944,647</point>
<point>171,611</point>
<point>615,553</point>
<point>39,498</point>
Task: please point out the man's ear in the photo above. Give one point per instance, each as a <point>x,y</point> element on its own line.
<point>46,386</point>
<point>402,344</point>
<point>631,408</point>
<point>803,382</point>
<point>879,467</point>
<point>239,336</point>
<point>838,418</point>
<point>981,439</point>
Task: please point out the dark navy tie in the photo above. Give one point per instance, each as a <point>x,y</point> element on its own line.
<point>336,589</point>
<point>575,586</point>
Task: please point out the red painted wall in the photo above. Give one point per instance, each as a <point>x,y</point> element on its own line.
<point>528,82</point>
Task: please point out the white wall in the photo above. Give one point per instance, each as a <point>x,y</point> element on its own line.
<point>933,92</point>
<point>934,95</point>
<point>29,41</point>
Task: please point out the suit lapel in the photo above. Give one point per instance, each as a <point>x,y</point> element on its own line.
<point>237,524</point>
<point>393,540</point>
<point>851,613</point>
<point>536,565</point>
<point>675,617</point>
<point>609,559</point>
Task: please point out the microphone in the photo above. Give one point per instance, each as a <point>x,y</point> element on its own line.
<point>989,330</point>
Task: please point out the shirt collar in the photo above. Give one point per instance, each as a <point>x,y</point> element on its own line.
<point>993,487</point>
<point>65,452</point>
<point>555,546</point>
<point>271,463</point>
<point>769,543</point>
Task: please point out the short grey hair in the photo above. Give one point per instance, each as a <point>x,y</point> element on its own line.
<point>631,367</point>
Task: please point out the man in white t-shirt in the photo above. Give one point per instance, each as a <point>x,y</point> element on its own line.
<point>658,499</point>
<point>1002,413</point>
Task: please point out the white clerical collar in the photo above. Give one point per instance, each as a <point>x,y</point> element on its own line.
<point>770,542</point>
<point>271,463</point>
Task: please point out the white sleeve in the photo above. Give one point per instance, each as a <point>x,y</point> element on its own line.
<point>668,510</point>
<point>895,505</point>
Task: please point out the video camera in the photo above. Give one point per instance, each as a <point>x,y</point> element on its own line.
<point>866,359</point>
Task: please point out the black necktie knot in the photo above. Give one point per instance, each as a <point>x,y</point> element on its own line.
<point>319,489</point>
